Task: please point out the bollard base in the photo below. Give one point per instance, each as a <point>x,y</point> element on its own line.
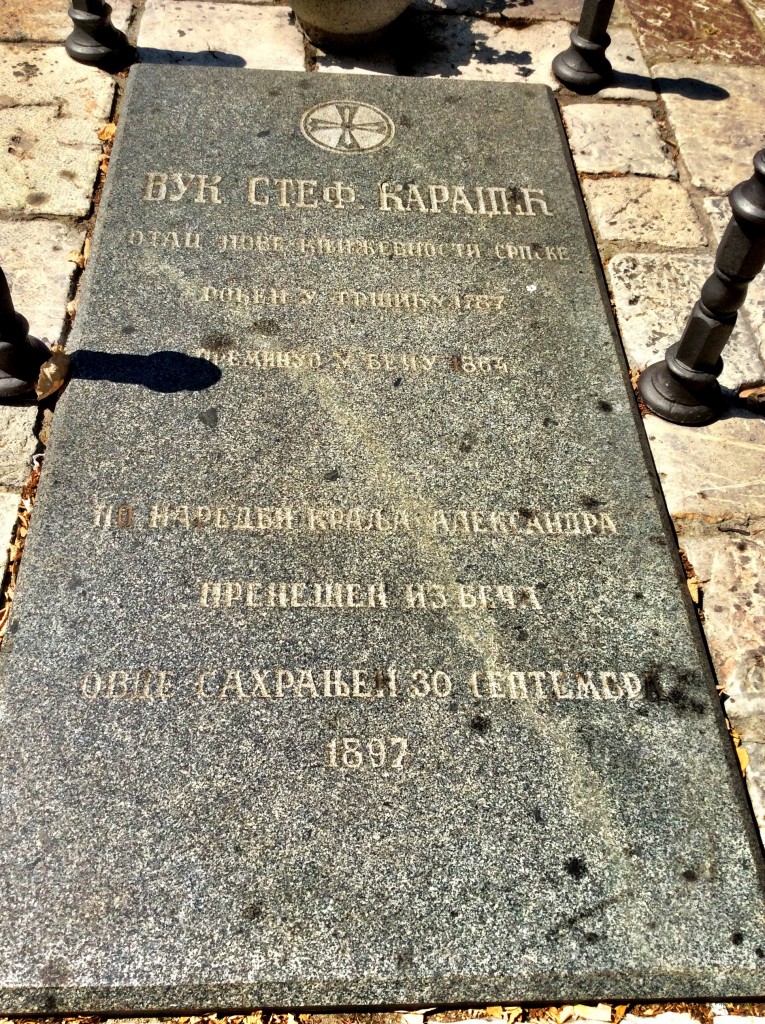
<point>682,395</point>
<point>584,67</point>
<point>95,41</point>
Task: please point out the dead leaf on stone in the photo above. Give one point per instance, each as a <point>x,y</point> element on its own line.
<point>76,257</point>
<point>71,307</point>
<point>512,1013</point>
<point>694,589</point>
<point>52,373</point>
<point>600,1012</point>
<point>754,397</point>
<point>47,420</point>
<point>494,1011</point>
<point>106,134</point>
<point>743,759</point>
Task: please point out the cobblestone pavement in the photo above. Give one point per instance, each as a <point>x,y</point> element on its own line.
<point>656,154</point>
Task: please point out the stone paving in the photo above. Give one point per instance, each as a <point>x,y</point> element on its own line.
<point>656,154</point>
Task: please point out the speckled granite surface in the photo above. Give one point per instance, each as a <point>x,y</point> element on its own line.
<point>350,663</point>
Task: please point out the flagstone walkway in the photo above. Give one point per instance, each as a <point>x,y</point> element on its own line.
<point>656,154</point>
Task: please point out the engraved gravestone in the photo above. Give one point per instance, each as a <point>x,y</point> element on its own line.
<point>350,662</point>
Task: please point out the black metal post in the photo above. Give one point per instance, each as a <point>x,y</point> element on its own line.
<point>683,387</point>
<point>94,40</point>
<point>21,356</point>
<point>584,66</point>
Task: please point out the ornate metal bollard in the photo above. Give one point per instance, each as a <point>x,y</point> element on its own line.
<point>683,387</point>
<point>21,356</point>
<point>94,40</point>
<point>584,66</point>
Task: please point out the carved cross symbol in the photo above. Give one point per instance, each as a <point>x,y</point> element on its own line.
<point>358,127</point>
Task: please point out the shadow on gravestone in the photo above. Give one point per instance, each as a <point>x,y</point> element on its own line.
<point>160,371</point>
<point>202,58</point>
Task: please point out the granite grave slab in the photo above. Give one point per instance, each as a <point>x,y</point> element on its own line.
<point>351,661</point>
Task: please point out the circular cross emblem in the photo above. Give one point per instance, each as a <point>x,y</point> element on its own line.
<point>347,127</point>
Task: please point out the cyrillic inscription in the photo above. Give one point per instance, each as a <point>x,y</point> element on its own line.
<point>353,519</point>
<point>244,684</point>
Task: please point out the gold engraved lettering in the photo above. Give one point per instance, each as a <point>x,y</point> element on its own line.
<point>257,594</point>
<point>251,243</point>
<point>415,302</point>
<point>482,200</point>
<point>321,245</point>
<point>302,193</point>
<point>361,753</point>
<point>555,684</point>
<point>118,684</point>
<point>534,251</point>
<point>160,187</point>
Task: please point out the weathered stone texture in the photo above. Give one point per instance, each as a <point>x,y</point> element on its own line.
<point>618,138</point>
<point>200,34</point>
<point>17,444</point>
<point>716,114</point>
<point>715,470</point>
<point>36,261</point>
<point>653,212</point>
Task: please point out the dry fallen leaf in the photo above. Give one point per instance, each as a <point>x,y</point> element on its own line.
<point>600,1012</point>
<point>47,421</point>
<point>512,1013</point>
<point>106,134</point>
<point>494,1011</point>
<point>52,373</point>
<point>76,257</point>
<point>743,759</point>
<point>694,588</point>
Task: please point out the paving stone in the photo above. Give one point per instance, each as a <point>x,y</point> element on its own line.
<point>48,164</point>
<point>753,310</point>
<point>50,110</point>
<point>17,444</point>
<point>481,50</point>
<point>544,10</point>
<point>43,22</point>
<point>616,138</point>
<point>714,470</point>
<point>696,30</point>
<point>220,35</point>
<point>652,211</point>
<point>729,561</point>
<point>716,114</point>
<point>547,10</point>
<point>654,294</point>
<point>46,75</point>
<point>465,48</point>
<point>755,782</point>
<point>9,506</point>
<point>35,259</point>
